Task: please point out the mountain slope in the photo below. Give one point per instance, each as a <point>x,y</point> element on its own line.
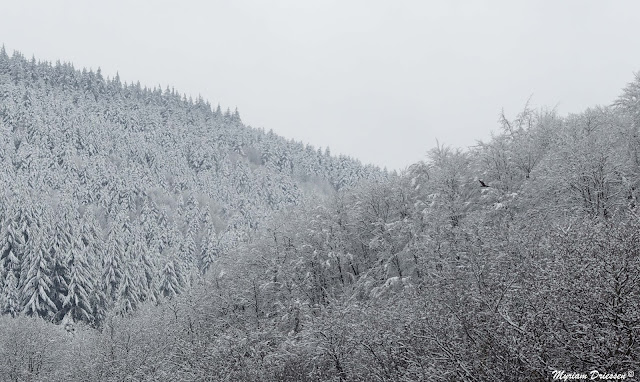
<point>133,178</point>
<point>517,259</point>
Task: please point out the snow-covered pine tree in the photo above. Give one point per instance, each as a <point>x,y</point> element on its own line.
<point>209,252</point>
<point>12,247</point>
<point>133,285</point>
<point>77,305</point>
<point>59,249</point>
<point>10,295</point>
<point>171,283</point>
<point>37,285</point>
<point>149,279</point>
<point>113,261</point>
<point>127,298</point>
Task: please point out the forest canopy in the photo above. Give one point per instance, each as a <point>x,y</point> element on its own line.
<point>149,236</point>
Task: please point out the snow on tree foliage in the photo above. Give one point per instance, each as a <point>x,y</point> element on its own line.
<point>170,280</point>
<point>9,297</point>
<point>76,304</point>
<point>214,251</point>
<point>37,289</point>
<point>113,261</point>
<point>130,171</point>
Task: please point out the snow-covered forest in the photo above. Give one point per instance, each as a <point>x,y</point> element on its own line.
<point>150,237</point>
<point>114,195</point>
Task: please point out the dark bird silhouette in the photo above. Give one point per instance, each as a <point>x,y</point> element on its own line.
<point>482,184</point>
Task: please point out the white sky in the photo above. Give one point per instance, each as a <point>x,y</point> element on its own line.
<point>377,80</point>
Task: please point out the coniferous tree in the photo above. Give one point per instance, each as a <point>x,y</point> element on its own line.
<point>149,277</point>
<point>112,266</point>
<point>127,298</point>
<point>10,297</point>
<point>60,248</point>
<point>37,289</point>
<point>209,252</point>
<point>170,280</point>
<point>77,305</point>
<point>13,247</point>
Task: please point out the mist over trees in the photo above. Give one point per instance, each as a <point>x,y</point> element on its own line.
<point>151,237</point>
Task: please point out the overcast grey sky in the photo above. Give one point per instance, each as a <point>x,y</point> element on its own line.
<point>377,80</point>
